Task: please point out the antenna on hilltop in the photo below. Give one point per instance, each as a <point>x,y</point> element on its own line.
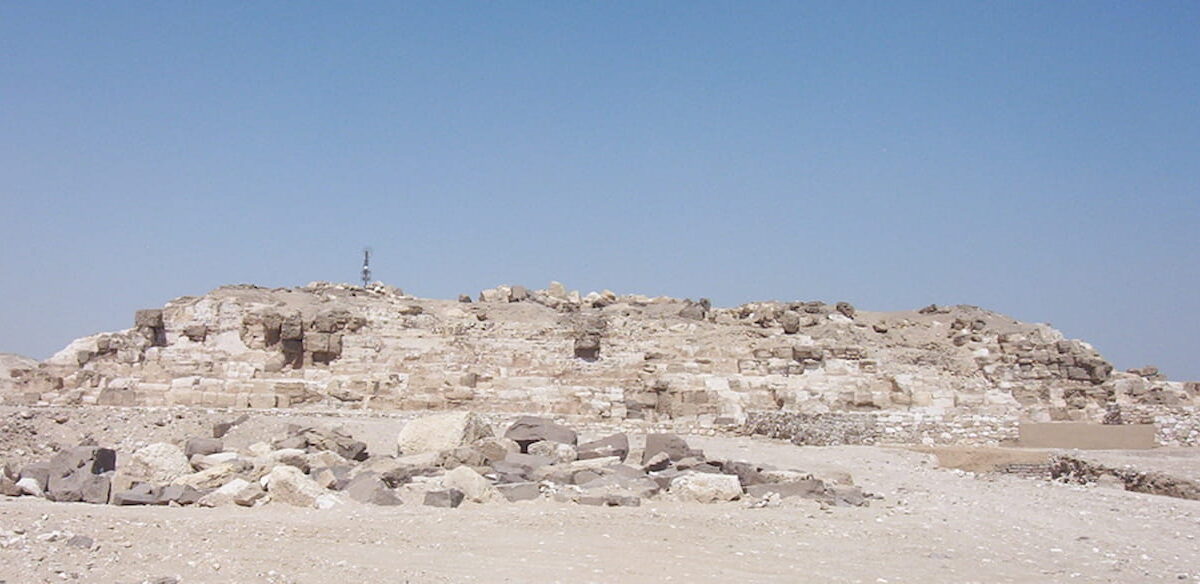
<point>366,270</point>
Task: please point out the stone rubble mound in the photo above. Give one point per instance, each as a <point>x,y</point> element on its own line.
<point>936,375</point>
<point>534,459</point>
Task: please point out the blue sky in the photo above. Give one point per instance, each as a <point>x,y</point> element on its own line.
<point>1038,159</point>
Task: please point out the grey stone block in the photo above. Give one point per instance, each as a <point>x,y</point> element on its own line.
<point>96,489</point>
<point>196,333</point>
<point>448,498</point>
<point>615,445</point>
<point>660,461</point>
<point>520,465</point>
<point>520,491</point>
<point>315,342</point>
<point>664,477</point>
<point>8,487</point>
<point>202,446</point>
<point>698,464</point>
<point>529,429</point>
<point>790,322</point>
<point>65,489</point>
<point>674,446</point>
<point>292,328</point>
<point>149,318</point>
<point>368,487</point>
<point>92,459</point>
<point>748,474</point>
<point>181,494</point>
<point>139,494</point>
<point>588,348</point>
<point>806,488</point>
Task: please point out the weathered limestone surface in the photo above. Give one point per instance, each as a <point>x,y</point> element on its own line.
<point>601,356</point>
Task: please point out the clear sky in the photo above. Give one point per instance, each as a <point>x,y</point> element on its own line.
<point>1041,159</point>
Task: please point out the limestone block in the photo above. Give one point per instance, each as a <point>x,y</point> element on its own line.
<point>235,492</point>
<point>473,486</point>
<point>158,463</point>
<point>288,484</point>
<point>185,398</point>
<point>557,290</point>
<point>441,432</point>
<point>497,294</point>
<point>213,476</point>
<point>706,487</point>
<point>29,486</point>
<point>261,400</point>
<point>203,461</point>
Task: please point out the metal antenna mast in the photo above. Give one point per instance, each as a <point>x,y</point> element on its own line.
<point>366,270</point>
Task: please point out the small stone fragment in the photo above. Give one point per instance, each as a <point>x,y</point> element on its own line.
<point>448,498</point>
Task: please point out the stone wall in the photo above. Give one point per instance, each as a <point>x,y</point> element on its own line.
<point>883,428</point>
<point>1178,427</point>
<point>1174,427</point>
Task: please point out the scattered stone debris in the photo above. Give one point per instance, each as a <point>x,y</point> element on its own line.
<point>1078,468</point>
<point>445,459</point>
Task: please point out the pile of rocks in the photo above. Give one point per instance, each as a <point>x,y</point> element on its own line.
<point>442,460</point>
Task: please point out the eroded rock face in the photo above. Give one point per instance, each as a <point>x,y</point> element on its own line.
<point>602,355</point>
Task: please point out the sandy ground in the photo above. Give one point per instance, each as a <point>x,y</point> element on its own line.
<point>931,525</point>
